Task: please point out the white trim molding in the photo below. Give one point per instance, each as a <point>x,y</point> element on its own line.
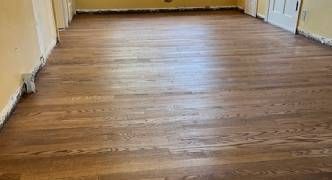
<point>316,37</point>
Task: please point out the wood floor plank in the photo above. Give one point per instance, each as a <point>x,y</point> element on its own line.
<point>190,95</point>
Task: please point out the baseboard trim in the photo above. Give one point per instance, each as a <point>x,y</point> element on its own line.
<point>15,98</point>
<point>140,10</point>
<point>316,37</point>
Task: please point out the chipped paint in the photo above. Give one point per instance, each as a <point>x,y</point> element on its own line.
<point>316,37</point>
<point>14,99</point>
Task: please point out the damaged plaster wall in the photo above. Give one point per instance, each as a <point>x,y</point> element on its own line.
<point>20,52</point>
<point>315,20</point>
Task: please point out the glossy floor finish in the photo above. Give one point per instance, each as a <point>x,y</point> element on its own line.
<point>191,95</point>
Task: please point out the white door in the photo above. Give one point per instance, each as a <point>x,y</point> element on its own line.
<point>284,13</point>
<point>251,7</point>
<point>37,7</point>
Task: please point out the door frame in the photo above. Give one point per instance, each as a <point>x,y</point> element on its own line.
<point>297,15</point>
<point>70,10</point>
<point>38,27</point>
<point>256,9</point>
<point>55,22</point>
<point>65,10</point>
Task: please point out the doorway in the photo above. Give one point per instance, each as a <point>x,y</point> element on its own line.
<point>284,13</point>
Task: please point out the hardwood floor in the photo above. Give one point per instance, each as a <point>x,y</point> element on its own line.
<point>191,95</point>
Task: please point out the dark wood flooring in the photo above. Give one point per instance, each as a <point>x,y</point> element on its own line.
<point>191,95</point>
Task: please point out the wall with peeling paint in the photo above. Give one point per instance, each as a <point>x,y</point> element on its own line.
<point>19,48</point>
<point>241,4</point>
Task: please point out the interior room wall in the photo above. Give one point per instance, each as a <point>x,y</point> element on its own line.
<point>19,48</point>
<point>315,18</point>
<point>241,4</point>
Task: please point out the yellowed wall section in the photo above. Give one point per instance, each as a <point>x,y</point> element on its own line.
<point>19,47</point>
<point>318,20</point>
<point>134,4</point>
<point>262,8</point>
<point>241,4</point>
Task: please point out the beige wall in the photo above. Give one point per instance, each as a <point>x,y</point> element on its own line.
<point>319,18</point>
<point>262,8</point>
<point>19,48</point>
<point>241,4</point>
<point>130,4</point>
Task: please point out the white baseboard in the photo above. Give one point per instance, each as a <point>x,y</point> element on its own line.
<point>240,7</point>
<point>320,38</point>
<point>154,9</point>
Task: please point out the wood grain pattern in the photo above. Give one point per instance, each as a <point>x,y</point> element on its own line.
<point>194,95</point>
